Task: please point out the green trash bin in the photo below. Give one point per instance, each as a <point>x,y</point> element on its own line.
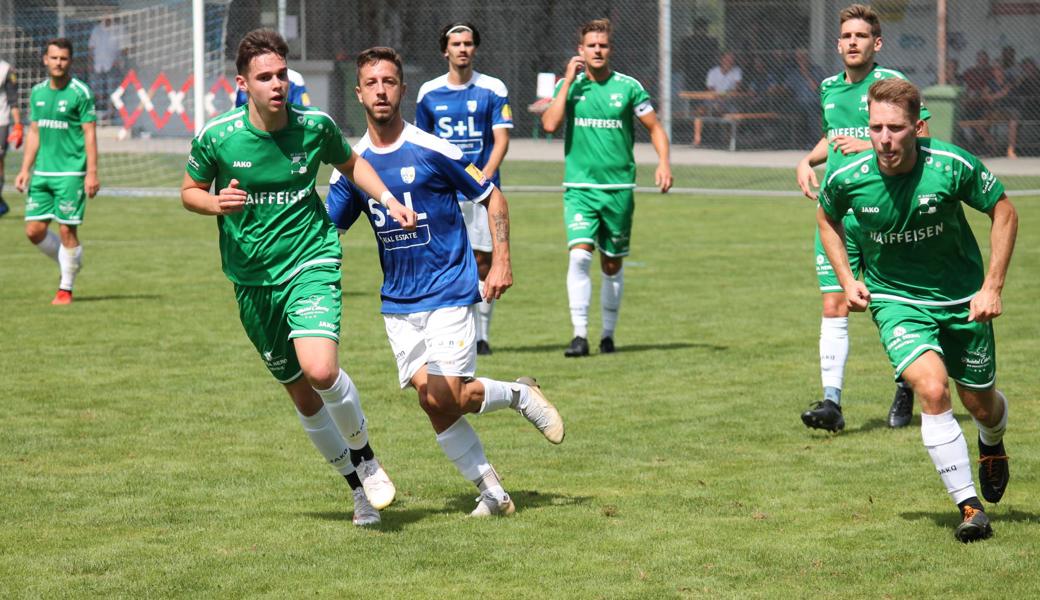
<point>941,101</point>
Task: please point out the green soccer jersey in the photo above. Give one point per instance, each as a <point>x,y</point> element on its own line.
<point>598,145</point>
<point>284,227</point>
<point>59,116</point>
<point>845,107</point>
<point>915,239</point>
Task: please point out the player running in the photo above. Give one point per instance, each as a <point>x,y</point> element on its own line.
<point>924,282</point>
<point>62,146</point>
<point>280,250</point>
<point>471,110</point>
<point>843,98</point>
<point>430,276</point>
<point>11,130</point>
<point>599,105</point>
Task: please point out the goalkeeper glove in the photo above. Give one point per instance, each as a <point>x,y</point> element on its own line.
<point>14,139</point>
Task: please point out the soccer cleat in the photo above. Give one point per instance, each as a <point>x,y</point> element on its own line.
<point>975,526</point>
<point>541,413</point>
<point>824,415</point>
<point>378,487</point>
<point>606,345</point>
<point>993,474</point>
<point>483,348</point>
<point>62,298</point>
<point>579,347</point>
<point>364,513</point>
<point>489,506</point>
<point>902,407</point>
<point>4,208</point>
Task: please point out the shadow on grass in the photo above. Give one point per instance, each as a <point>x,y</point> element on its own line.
<point>952,518</point>
<point>117,297</point>
<point>882,423</point>
<point>395,520</point>
<point>621,349</point>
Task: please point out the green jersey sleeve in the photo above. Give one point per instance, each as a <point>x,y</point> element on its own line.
<point>832,200</point>
<point>202,166</point>
<point>87,110</point>
<point>641,101</point>
<point>978,187</point>
<point>336,149</point>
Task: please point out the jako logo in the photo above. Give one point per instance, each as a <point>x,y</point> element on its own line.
<point>242,164</point>
<point>870,209</point>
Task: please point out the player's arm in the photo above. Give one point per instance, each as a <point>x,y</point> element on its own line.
<point>32,145</point>
<point>500,277</point>
<point>986,305</point>
<point>659,139</point>
<point>91,183</point>
<point>804,172</point>
<point>832,236</point>
<point>553,116</point>
<point>195,197</point>
<point>365,177</point>
<point>498,153</point>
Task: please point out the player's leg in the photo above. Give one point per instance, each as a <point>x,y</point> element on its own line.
<point>69,206</point>
<point>614,241</point>
<point>312,307</point>
<point>4,208</point>
<point>834,346</point>
<point>479,232</point>
<point>39,211</point>
<point>581,220</point>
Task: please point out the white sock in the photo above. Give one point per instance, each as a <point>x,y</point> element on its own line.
<point>834,350</point>
<point>50,244</point>
<point>484,309</point>
<point>943,438</point>
<point>991,436</point>
<point>70,260</point>
<point>501,394</point>
<point>344,406</point>
<point>462,446</point>
<point>327,439</point>
<point>610,300</point>
<point>579,290</point>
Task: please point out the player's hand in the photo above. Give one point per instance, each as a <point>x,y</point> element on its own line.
<point>574,66</point>
<point>231,199</point>
<point>807,179</point>
<point>91,184</point>
<point>498,280</point>
<point>663,177</point>
<point>405,216</point>
<point>17,135</point>
<point>985,306</point>
<point>21,181</point>
<point>850,145</point>
<point>857,296</point>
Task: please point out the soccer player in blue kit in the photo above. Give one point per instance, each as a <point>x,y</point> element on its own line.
<point>471,110</point>
<point>430,276</point>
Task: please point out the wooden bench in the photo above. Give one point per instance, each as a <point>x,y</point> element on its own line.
<point>734,119</point>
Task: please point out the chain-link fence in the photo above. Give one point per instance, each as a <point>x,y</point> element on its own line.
<point>782,49</point>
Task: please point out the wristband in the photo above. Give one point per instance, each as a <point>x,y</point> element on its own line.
<point>384,199</point>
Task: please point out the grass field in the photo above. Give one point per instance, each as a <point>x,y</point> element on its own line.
<point>146,452</point>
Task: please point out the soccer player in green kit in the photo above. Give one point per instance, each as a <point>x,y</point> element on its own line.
<point>61,152</point>
<point>599,105</point>
<point>282,252</point>
<point>924,282</point>
<point>843,98</point>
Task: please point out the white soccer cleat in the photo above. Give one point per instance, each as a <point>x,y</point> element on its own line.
<point>541,413</point>
<point>490,506</point>
<point>378,487</point>
<point>364,513</point>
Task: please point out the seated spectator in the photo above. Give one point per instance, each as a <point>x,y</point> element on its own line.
<point>1023,101</point>
<point>723,79</point>
<point>803,86</point>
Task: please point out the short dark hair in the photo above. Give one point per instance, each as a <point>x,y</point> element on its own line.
<point>377,53</point>
<point>458,27</point>
<point>63,43</point>
<point>595,25</point>
<point>258,42</point>
<point>899,92</point>
<point>863,13</point>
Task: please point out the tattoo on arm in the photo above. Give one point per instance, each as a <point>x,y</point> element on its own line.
<point>501,226</point>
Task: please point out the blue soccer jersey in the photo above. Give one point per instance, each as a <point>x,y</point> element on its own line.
<point>297,91</point>
<point>432,267</point>
<point>466,115</point>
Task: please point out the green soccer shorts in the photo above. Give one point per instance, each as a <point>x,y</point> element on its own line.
<point>602,218</point>
<point>909,330</point>
<point>60,198</point>
<point>825,275</point>
<point>307,305</point>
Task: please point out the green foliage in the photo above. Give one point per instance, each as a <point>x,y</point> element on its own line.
<point>145,451</point>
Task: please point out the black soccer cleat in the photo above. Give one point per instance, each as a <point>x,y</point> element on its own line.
<point>606,345</point>
<point>483,348</point>
<point>993,472</point>
<point>974,527</point>
<point>579,347</point>
<point>824,415</point>
<point>902,407</point>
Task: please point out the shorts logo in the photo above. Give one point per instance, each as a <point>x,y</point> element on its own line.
<point>67,206</point>
<point>977,359</point>
<point>273,361</point>
<point>899,331</point>
<point>471,105</point>
<point>242,164</point>
<point>820,259</point>
<point>312,307</point>
<point>408,174</point>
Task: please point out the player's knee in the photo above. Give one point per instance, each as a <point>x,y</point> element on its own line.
<point>610,266</point>
<point>835,306</point>
<point>933,392</point>
<point>321,376</point>
<point>35,232</point>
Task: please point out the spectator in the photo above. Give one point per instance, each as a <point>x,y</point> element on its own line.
<point>1024,102</point>
<point>802,83</point>
<point>106,62</point>
<point>698,52</point>
<point>1012,71</point>
<point>722,79</point>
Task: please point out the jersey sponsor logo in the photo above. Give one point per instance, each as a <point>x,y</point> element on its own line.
<point>274,198</point>
<point>476,174</point>
<point>52,124</point>
<point>399,239</point>
<point>471,105</point>
<point>242,164</point>
<point>906,237</point>
<point>507,113</point>
<point>462,130</point>
<point>856,132</point>
<point>407,174</point>
<point>598,123</point>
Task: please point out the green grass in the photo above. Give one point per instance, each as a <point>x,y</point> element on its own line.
<point>145,451</point>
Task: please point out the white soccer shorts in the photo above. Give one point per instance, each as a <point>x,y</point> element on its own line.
<point>443,339</point>
<point>476,216</point>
